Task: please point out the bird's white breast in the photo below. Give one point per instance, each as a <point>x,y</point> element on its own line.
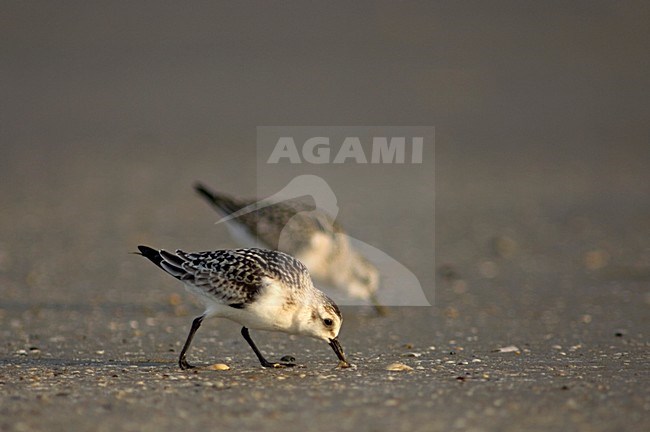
<point>271,310</point>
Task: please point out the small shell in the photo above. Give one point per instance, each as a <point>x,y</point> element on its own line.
<point>398,367</point>
<point>411,354</point>
<point>508,349</point>
<point>218,367</point>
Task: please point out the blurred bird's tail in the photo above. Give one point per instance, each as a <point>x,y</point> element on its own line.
<point>222,202</point>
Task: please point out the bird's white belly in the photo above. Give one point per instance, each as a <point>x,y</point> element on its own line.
<point>316,257</point>
<point>269,311</point>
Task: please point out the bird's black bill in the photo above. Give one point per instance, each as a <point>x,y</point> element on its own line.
<point>336,346</point>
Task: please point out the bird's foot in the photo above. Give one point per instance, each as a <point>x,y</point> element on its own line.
<point>184,365</point>
<point>286,361</point>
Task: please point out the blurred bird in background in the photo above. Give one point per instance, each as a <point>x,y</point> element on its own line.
<point>305,232</point>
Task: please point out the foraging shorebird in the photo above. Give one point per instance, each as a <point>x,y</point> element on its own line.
<point>257,288</point>
<point>308,234</point>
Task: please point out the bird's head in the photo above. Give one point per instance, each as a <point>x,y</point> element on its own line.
<point>325,323</point>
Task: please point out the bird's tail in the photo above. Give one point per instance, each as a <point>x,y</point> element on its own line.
<point>152,254</point>
<point>169,262</point>
<point>222,202</point>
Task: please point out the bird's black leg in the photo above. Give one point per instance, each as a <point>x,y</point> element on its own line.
<point>182,362</point>
<point>379,308</point>
<point>263,361</point>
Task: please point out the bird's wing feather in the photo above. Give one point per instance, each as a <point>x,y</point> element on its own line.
<point>226,274</point>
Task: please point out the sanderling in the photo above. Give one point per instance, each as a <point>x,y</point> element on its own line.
<point>311,236</point>
<point>257,288</point>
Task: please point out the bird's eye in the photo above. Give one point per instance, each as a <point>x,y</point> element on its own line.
<point>328,322</point>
